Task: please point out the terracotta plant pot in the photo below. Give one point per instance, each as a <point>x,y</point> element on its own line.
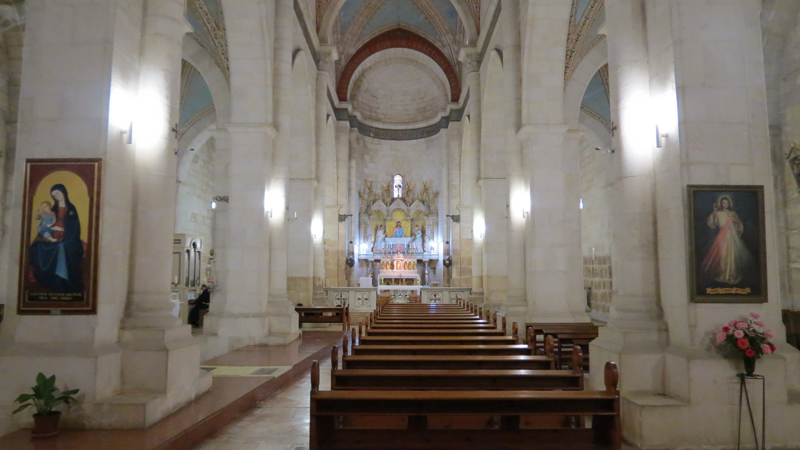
<point>45,426</point>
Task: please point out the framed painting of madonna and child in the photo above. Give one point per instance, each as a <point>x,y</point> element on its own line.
<point>727,244</point>
<point>60,237</point>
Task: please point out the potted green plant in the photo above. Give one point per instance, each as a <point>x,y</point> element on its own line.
<point>44,399</point>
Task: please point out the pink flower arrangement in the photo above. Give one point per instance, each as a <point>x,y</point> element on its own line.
<point>746,337</point>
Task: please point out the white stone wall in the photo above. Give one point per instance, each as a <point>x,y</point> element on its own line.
<point>194,213</point>
<point>596,189</point>
<point>418,161</point>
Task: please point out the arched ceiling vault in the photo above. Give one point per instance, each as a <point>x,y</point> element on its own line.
<point>398,38</point>
<point>328,12</point>
<point>352,25</point>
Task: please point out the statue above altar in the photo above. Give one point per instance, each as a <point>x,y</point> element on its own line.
<point>398,231</point>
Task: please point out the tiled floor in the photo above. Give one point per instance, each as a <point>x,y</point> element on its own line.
<point>278,423</point>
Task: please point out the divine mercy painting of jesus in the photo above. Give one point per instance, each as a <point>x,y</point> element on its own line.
<point>727,241</point>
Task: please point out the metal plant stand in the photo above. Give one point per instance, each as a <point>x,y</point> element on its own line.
<point>743,390</point>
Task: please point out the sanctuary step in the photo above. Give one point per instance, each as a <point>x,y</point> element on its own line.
<point>229,398</point>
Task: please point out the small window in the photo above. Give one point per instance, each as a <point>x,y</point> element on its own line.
<point>398,186</point>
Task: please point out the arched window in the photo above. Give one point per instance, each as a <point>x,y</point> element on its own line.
<point>398,186</point>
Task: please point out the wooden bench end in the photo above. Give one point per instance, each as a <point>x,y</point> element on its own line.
<point>611,377</point>
<point>314,377</point>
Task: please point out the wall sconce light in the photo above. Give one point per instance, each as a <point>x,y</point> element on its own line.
<point>525,214</point>
<point>479,226</point>
<point>660,137</point>
<point>580,205</point>
<point>607,150</point>
<point>121,106</point>
<point>128,134</point>
<point>219,198</point>
<point>267,203</point>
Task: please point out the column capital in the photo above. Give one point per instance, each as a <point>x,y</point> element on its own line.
<point>528,132</point>
<point>470,58</point>
<point>327,56</point>
<point>252,128</point>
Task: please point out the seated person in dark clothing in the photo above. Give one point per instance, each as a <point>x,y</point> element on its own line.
<point>200,303</point>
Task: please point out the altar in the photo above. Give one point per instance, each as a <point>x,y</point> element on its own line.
<point>400,275</point>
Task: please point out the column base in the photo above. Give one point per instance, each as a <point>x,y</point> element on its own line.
<point>227,332</point>
<point>638,354</point>
<point>97,372</point>
<point>160,373</point>
<point>701,409</point>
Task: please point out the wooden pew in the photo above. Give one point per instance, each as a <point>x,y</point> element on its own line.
<point>516,349</point>
<point>404,332</point>
<point>324,314</point>
<point>442,349</point>
<point>437,340</point>
<point>464,420</point>
<point>454,362</point>
<point>566,335</point>
<point>441,326</point>
<point>457,379</point>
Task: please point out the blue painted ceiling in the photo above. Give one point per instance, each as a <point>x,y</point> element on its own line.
<point>196,99</point>
<point>208,22</point>
<point>596,100</point>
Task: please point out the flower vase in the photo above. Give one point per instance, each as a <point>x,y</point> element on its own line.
<point>749,365</point>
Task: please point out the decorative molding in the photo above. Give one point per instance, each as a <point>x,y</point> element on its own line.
<point>577,34</point>
<point>218,48</point>
<point>596,117</point>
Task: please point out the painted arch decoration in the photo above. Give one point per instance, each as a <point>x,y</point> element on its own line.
<point>585,22</point>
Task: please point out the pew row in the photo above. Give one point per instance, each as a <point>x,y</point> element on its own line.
<point>447,379</point>
<point>464,420</point>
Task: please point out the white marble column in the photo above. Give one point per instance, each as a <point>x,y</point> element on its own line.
<point>326,167</point>
<point>283,319</point>
<point>554,269</point>
<point>635,333</point>
<point>71,80</point>
<point>470,209</point>
<point>160,356</point>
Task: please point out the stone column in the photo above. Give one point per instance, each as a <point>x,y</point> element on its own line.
<point>71,80</point>
<point>160,356</point>
<point>470,208</point>
<point>554,269</point>
<point>283,319</point>
<point>326,168</point>
<point>516,307</point>
<point>352,208</point>
<point>635,333</point>
<point>452,191</point>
